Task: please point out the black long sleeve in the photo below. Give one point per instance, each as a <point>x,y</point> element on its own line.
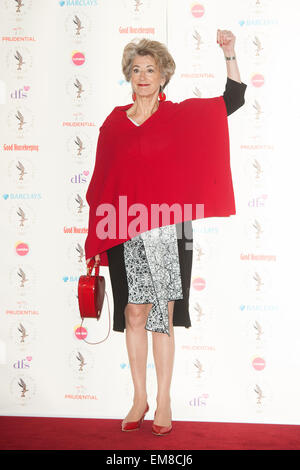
<point>234,95</point>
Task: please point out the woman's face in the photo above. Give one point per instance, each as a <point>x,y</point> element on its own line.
<point>145,76</point>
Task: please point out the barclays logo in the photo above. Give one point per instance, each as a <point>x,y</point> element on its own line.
<point>70,279</point>
<point>78,3</point>
<point>258,308</point>
<point>258,22</point>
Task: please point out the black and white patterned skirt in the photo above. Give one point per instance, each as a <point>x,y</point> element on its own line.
<point>153,273</point>
<point>153,267</point>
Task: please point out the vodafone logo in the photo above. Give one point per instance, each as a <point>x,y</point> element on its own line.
<point>198,283</point>
<point>197,10</point>
<point>258,363</point>
<point>78,58</point>
<point>22,249</point>
<point>80,332</point>
<point>258,80</point>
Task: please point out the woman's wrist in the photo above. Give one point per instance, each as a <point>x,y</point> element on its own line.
<point>229,53</point>
<point>232,66</point>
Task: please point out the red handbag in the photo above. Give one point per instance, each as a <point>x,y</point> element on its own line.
<point>91,292</point>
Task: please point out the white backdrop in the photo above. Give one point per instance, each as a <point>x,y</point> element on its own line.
<point>240,360</point>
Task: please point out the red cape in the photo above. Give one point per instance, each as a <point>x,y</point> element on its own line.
<point>179,155</point>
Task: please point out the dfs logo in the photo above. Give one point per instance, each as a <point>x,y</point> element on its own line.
<point>23,363</point>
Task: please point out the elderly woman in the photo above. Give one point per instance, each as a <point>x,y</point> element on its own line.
<point>151,272</point>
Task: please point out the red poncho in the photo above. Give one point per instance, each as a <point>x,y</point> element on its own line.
<point>180,155</point>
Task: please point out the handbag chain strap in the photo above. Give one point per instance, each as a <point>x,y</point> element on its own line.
<point>109,326</point>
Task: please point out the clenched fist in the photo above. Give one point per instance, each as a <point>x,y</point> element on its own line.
<point>226,40</point>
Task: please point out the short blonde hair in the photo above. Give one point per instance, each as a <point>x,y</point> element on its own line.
<point>156,49</point>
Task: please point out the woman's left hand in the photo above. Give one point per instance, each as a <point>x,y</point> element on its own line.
<point>226,40</point>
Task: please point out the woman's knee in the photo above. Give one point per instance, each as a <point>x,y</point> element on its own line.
<point>136,314</point>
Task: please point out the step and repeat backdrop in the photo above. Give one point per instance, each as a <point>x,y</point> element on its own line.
<point>60,77</point>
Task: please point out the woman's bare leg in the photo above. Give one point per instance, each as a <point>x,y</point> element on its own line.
<point>164,352</point>
<point>137,348</point>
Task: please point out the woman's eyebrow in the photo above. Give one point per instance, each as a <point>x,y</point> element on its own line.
<point>149,65</point>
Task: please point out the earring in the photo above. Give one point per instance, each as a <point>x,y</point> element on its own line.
<point>162,95</point>
<point>134,96</point>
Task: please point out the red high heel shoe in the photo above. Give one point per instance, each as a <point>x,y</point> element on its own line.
<point>161,430</point>
<point>134,425</point>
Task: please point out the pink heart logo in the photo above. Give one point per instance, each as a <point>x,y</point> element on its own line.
<point>29,358</point>
<point>26,88</point>
<point>86,173</point>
